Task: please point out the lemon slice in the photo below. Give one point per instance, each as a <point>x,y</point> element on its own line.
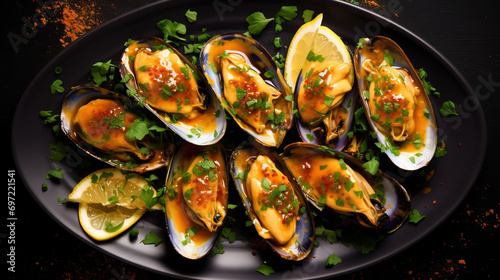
<point>331,47</point>
<point>311,36</point>
<point>103,223</point>
<point>109,202</point>
<point>298,49</point>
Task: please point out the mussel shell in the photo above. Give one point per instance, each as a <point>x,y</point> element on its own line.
<point>261,59</point>
<point>397,201</point>
<point>404,159</point>
<point>305,230</point>
<point>183,130</point>
<point>81,95</point>
<point>309,134</point>
<point>181,160</point>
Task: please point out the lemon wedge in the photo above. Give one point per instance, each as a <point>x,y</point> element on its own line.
<point>298,49</point>
<point>312,36</point>
<point>110,202</point>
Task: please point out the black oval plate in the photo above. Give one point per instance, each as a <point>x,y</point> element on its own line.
<point>450,183</point>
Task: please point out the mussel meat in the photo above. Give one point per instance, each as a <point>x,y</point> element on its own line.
<point>249,85</point>
<point>338,182</point>
<point>274,203</point>
<point>98,121</point>
<point>395,103</point>
<point>170,87</point>
<point>196,198</point>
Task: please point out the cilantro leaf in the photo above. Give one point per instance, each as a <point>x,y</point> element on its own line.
<point>257,22</point>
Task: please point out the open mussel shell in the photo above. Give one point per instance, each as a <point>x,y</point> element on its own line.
<point>272,130</point>
<point>394,207</point>
<point>190,237</point>
<point>301,242</point>
<point>83,95</point>
<point>384,51</point>
<point>206,124</point>
<point>341,118</point>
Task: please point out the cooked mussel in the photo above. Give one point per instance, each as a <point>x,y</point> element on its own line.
<point>339,182</point>
<point>395,102</point>
<point>196,198</point>
<point>98,121</point>
<point>274,203</point>
<point>325,102</point>
<point>170,86</point>
<point>249,85</point>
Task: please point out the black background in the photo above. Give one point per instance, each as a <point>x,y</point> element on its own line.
<point>463,247</point>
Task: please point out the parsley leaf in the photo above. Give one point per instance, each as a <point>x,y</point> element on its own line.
<point>265,269</point>
<point>257,22</point>
<point>134,232</point>
<point>371,166</point>
<point>333,260</point>
<point>110,228</point>
<point>171,29</point>
<point>427,85</point>
<point>448,109</point>
<point>54,174</point>
<point>57,151</point>
<point>415,216</point>
<point>137,130</point>
<point>151,238</point>
<point>56,86</point>
<point>288,12</point>
<point>100,70</point>
<point>191,16</point>
<point>307,15</point>
<point>440,151</point>
<point>147,195</point>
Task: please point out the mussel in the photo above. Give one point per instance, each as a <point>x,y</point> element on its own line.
<point>325,101</point>
<point>273,201</point>
<point>196,192</point>
<point>98,121</point>
<point>339,182</point>
<point>170,86</point>
<point>249,85</point>
<point>395,102</point>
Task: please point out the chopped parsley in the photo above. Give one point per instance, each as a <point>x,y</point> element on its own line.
<point>151,238</point>
<point>448,109</point>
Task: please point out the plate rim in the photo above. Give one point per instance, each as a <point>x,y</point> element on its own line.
<point>360,11</point>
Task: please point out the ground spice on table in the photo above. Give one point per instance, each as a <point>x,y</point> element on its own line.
<point>77,20</point>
